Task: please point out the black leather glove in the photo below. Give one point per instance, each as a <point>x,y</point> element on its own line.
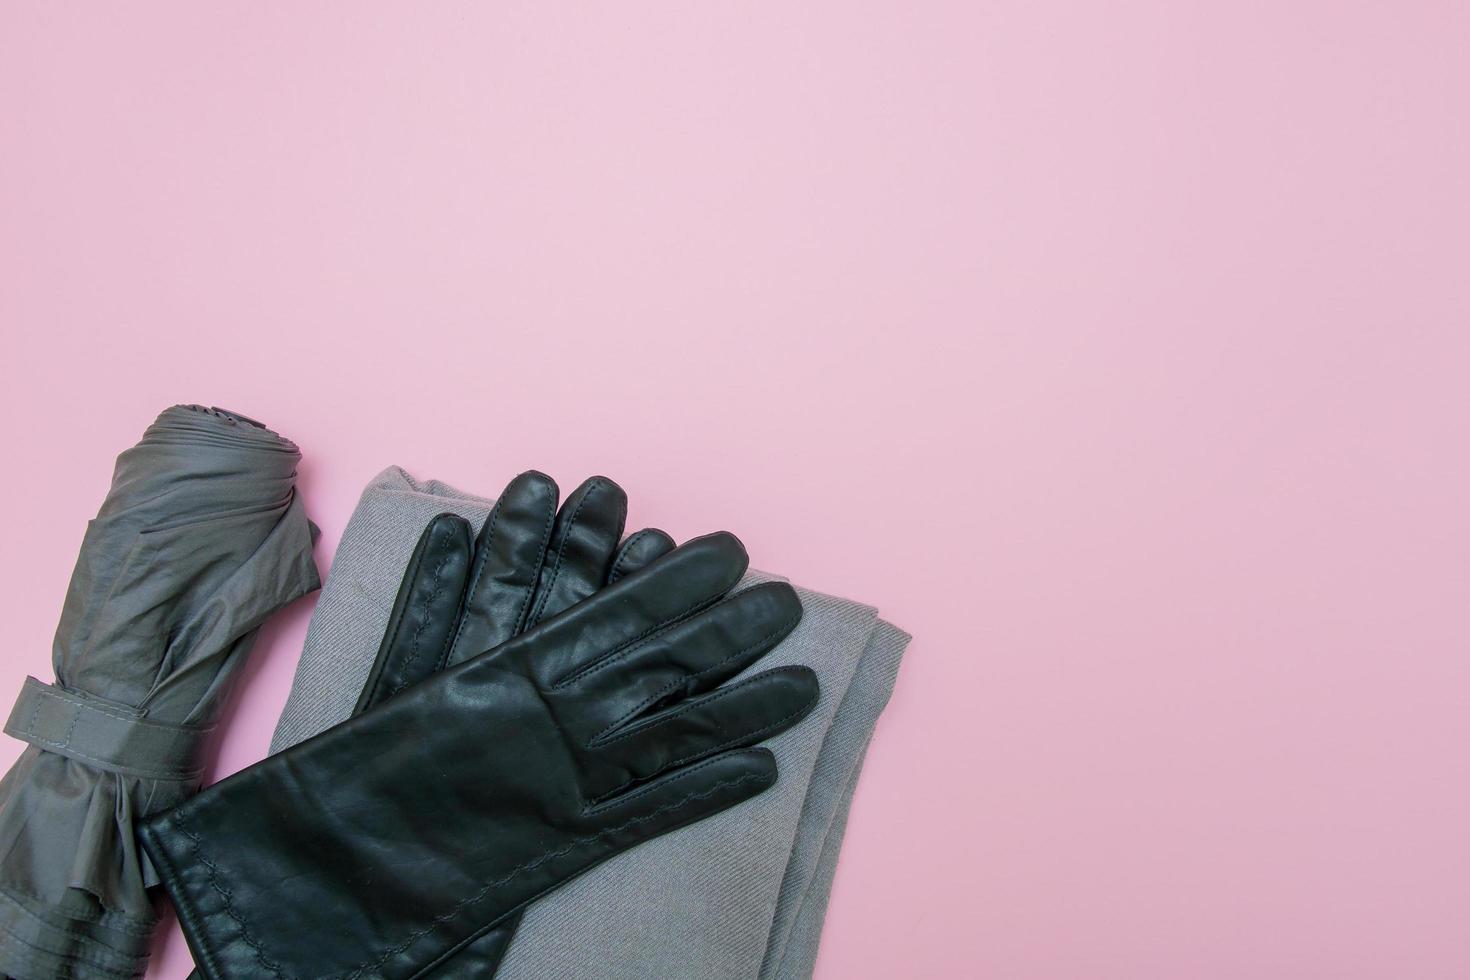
<point>530,562</point>
<point>384,845</point>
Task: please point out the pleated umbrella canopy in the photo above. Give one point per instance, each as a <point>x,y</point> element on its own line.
<point>201,538</point>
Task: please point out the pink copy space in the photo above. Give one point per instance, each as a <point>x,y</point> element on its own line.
<point>1118,351</point>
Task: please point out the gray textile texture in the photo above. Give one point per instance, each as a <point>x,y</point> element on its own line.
<point>740,895</point>
<point>201,538</point>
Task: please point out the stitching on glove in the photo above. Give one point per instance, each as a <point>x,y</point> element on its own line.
<point>627,549</point>
<point>549,855</point>
<point>418,634</point>
<point>644,791</point>
<point>658,720</point>
<point>602,737</point>
<point>230,910</point>
<point>628,647</point>
<point>383,664</point>
<point>561,554</point>
<point>215,873</point>
<point>546,530</point>
<point>482,555</point>
<point>753,737</point>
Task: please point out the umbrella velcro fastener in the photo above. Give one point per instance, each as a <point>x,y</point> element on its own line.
<point>105,735</point>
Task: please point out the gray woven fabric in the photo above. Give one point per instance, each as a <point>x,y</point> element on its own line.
<point>352,611</point>
<point>802,904</point>
<point>740,895</point>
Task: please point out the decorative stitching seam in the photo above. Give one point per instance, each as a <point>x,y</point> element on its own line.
<point>71,729</point>
<point>631,645</point>
<point>546,529</point>
<point>214,874</point>
<point>602,737</point>
<point>378,675</point>
<point>628,647</point>
<point>652,787</point>
<point>357,972</point>
<point>481,557</point>
<point>549,855</point>
<point>560,555</point>
<point>616,572</point>
<point>418,634</point>
<point>204,956</point>
<point>751,737</point>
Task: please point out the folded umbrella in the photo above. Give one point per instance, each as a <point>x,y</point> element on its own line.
<point>201,538</point>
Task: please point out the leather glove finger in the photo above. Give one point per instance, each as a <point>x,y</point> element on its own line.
<point>642,548</point>
<point>425,613</point>
<point>509,553</point>
<point>680,659</point>
<point>679,585</point>
<point>588,528</point>
<point>735,716</point>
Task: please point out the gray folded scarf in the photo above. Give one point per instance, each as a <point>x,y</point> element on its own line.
<point>740,895</point>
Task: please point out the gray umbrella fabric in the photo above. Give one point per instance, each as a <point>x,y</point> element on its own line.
<point>200,539</point>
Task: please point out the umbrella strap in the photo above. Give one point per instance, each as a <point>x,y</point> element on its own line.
<point>105,735</point>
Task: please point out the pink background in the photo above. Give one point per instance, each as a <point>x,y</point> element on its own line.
<point>1118,351</point>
